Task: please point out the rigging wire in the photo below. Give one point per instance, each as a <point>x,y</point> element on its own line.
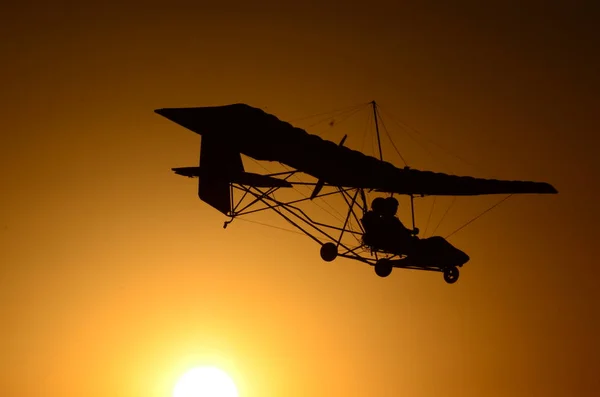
<point>272,226</point>
<point>334,121</point>
<point>391,140</point>
<point>408,128</point>
<point>298,190</point>
<point>348,115</point>
<point>366,131</point>
<point>260,165</point>
<point>305,196</point>
<point>430,214</point>
<point>444,216</point>
<point>373,144</point>
<point>340,218</point>
<point>333,116</point>
<point>410,135</point>
<point>345,114</point>
<point>329,112</point>
<point>479,216</point>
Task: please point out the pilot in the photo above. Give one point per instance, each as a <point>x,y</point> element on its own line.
<point>401,234</point>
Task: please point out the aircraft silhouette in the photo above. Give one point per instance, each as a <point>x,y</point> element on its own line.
<point>382,241</point>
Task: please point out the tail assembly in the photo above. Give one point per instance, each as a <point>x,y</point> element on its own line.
<point>220,166</point>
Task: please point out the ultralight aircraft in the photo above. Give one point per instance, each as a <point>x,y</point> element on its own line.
<point>380,239</point>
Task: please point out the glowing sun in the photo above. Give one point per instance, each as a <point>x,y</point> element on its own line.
<point>205,382</point>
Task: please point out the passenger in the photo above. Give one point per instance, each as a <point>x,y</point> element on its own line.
<point>379,206</point>
<point>373,223</point>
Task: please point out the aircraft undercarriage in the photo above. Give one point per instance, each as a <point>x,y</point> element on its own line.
<point>332,239</point>
<point>387,262</point>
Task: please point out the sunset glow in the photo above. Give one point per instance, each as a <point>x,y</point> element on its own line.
<point>205,382</point>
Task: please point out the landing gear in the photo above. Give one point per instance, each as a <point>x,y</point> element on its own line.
<point>383,267</point>
<point>451,274</point>
<point>329,252</point>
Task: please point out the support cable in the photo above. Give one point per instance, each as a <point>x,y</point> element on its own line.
<point>479,216</point>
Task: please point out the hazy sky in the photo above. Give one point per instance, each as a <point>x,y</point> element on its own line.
<point>115,278</point>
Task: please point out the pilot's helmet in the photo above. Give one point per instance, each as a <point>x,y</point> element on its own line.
<point>390,206</point>
<point>378,205</point>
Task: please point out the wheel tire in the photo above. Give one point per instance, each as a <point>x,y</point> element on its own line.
<point>329,252</point>
<point>383,268</point>
<point>451,274</point>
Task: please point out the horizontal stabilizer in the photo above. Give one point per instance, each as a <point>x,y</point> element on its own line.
<point>190,172</point>
<point>257,180</point>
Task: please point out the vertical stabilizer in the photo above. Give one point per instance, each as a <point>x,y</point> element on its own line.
<point>219,165</point>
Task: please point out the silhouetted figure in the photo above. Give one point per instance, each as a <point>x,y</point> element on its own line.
<point>383,229</point>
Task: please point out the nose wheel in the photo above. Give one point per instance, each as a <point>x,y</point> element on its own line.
<point>451,274</point>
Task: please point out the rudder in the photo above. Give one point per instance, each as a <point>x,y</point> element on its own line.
<point>219,165</point>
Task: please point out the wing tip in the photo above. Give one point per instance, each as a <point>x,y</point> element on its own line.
<point>549,189</point>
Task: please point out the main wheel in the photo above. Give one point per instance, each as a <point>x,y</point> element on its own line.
<point>383,268</point>
<point>451,274</point>
<point>329,252</point>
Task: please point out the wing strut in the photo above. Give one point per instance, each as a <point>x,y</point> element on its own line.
<point>412,198</point>
<point>377,129</point>
<point>412,209</point>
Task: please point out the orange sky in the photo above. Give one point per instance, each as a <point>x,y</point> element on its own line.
<point>115,278</point>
